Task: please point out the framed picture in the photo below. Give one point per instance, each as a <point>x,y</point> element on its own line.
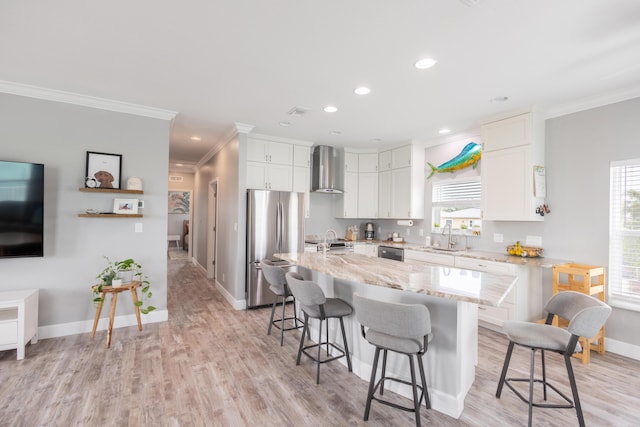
<point>125,206</point>
<point>103,170</point>
<point>179,202</point>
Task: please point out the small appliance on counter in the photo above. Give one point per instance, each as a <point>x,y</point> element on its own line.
<point>369,231</point>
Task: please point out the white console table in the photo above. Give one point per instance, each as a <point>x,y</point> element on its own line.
<point>18,319</point>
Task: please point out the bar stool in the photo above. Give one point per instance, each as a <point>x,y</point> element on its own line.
<point>278,285</point>
<point>586,316</point>
<point>316,305</point>
<point>401,328</point>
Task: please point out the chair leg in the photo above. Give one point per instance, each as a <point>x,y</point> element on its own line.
<point>284,300</point>
<point>425,390</point>
<point>574,390</point>
<point>372,383</point>
<point>306,326</point>
<point>346,346</point>
<point>273,310</point>
<point>544,376</point>
<point>531,379</point>
<point>319,348</point>
<point>505,368</point>
<point>416,402</point>
<point>384,371</point>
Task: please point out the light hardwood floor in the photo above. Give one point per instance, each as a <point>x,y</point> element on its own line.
<point>210,365</point>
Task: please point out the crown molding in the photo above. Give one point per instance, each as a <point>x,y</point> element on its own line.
<point>29,91</point>
<point>592,102</point>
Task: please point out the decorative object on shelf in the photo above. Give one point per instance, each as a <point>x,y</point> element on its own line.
<point>125,206</point>
<point>127,271</point>
<point>525,251</point>
<point>105,168</point>
<point>470,155</point>
<point>179,202</point>
<point>90,182</point>
<point>134,183</point>
<point>542,210</point>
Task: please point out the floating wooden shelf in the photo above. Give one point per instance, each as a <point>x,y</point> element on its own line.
<point>109,190</point>
<point>109,215</point>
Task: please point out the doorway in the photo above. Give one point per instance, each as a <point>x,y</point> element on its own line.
<point>212,226</point>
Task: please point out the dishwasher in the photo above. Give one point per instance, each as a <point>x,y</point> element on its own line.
<point>390,252</point>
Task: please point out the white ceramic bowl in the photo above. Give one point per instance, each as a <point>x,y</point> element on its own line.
<point>398,239</point>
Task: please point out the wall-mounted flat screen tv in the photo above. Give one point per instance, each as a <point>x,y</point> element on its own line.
<point>21,209</point>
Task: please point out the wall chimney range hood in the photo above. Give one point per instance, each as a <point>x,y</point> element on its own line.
<point>326,170</point>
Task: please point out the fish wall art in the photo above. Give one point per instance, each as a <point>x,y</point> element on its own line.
<point>469,156</point>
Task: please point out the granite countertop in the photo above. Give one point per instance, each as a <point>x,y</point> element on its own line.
<point>444,282</point>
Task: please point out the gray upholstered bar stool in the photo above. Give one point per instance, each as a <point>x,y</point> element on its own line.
<point>586,316</point>
<point>316,305</point>
<point>278,285</point>
<point>401,328</point>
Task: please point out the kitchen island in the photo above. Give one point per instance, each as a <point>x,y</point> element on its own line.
<point>451,294</point>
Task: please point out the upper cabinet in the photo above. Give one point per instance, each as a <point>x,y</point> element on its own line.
<point>260,150</point>
<point>511,149</point>
<point>368,163</point>
<point>302,174</point>
<point>401,188</point>
<point>384,161</point>
<point>302,156</point>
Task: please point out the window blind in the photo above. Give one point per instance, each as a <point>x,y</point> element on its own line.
<point>624,234</point>
<point>444,193</point>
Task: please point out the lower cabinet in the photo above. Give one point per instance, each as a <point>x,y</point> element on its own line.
<point>524,302</point>
<point>368,249</point>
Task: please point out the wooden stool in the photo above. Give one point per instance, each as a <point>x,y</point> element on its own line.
<point>586,279</point>
<point>133,286</point>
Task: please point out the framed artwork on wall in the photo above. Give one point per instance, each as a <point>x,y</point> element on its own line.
<point>179,202</point>
<point>125,206</point>
<point>103,170</point>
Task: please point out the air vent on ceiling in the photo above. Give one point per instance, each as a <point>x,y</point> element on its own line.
<point>175,178</point>
<point>298,111</point>
<point>470,3</point>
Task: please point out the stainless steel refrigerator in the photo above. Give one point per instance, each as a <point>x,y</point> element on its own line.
<point>275,224</point>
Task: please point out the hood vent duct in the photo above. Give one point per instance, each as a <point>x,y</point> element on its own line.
<point>326,170</point>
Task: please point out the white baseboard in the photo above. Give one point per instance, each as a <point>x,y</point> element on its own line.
<point>81,327</point>
<point>236,304</point>
<point>622,348</point>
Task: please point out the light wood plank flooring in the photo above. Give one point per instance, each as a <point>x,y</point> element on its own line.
<point>210,365</point>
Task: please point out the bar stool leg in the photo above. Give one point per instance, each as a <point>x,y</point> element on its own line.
<point>384,371</point>
<point>372,383</point>
<point>284,300</point>
<point>505,368</point>
<point>319,349</point>
<point>273,310</point>
<point>425,390</point>
<point>414,388</point>
<point>306,326</point>
<point>574,390</point>
<point>346,345</point>
<point>531,371</point>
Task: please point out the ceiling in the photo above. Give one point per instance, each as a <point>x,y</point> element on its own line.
<point>221,62</point>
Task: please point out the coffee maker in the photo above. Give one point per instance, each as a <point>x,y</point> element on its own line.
<point>369,231</point>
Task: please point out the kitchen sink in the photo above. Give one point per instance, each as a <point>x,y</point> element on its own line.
<point>438,249</point>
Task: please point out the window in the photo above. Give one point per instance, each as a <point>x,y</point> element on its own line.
<point>457,203</point>
<point>624,235</point>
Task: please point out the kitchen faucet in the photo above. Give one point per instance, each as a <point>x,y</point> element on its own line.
<point>450,242</point>
<point>335,237</point>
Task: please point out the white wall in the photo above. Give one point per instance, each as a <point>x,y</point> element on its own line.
<point>59,135</point>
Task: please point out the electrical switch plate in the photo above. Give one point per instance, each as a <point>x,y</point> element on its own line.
<point>138,227</point>
<point>408,231</point>
<point>421,232</point>
<point>498,238</point>
<point>534,240</point>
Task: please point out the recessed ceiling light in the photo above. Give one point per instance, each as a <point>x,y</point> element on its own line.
<point>425,63</point>
<point>362,90</point>
<point>336,132</point>
<point>196,138</point>
<point>443,131</point>
<point>285,124</point>
<point>330,109</point>
<point>179,164</point>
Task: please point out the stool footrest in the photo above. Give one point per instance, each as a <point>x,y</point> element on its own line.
<point>395,405</point>
<point>276,322</point>
<point>569,404</point>
<point>328,359</point>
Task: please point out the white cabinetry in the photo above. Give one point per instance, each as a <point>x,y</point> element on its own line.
<point>368,249</point>
<point>439,259</point>
<point>360,198</point>
<point>524,302</point>
<point>401,189</point>
<point>269,165</point>
<point>510,150</point>
<point>384,160</point>
<point>18,320</point>
<point>302,174</point>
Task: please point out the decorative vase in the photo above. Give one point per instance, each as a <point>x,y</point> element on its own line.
<point>126,276</point>
<point>116,283</point>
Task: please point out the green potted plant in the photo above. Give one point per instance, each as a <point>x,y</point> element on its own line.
<point>128,270</point>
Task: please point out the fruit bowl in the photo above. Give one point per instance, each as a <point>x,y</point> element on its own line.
<point>525,251</point>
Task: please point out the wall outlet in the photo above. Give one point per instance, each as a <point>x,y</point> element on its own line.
<point>138,227</point>
<point>498,238</point>
<point>534,240</point>
<point>421,232</point>
<point>222,277</point>
<point>408,231</point>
